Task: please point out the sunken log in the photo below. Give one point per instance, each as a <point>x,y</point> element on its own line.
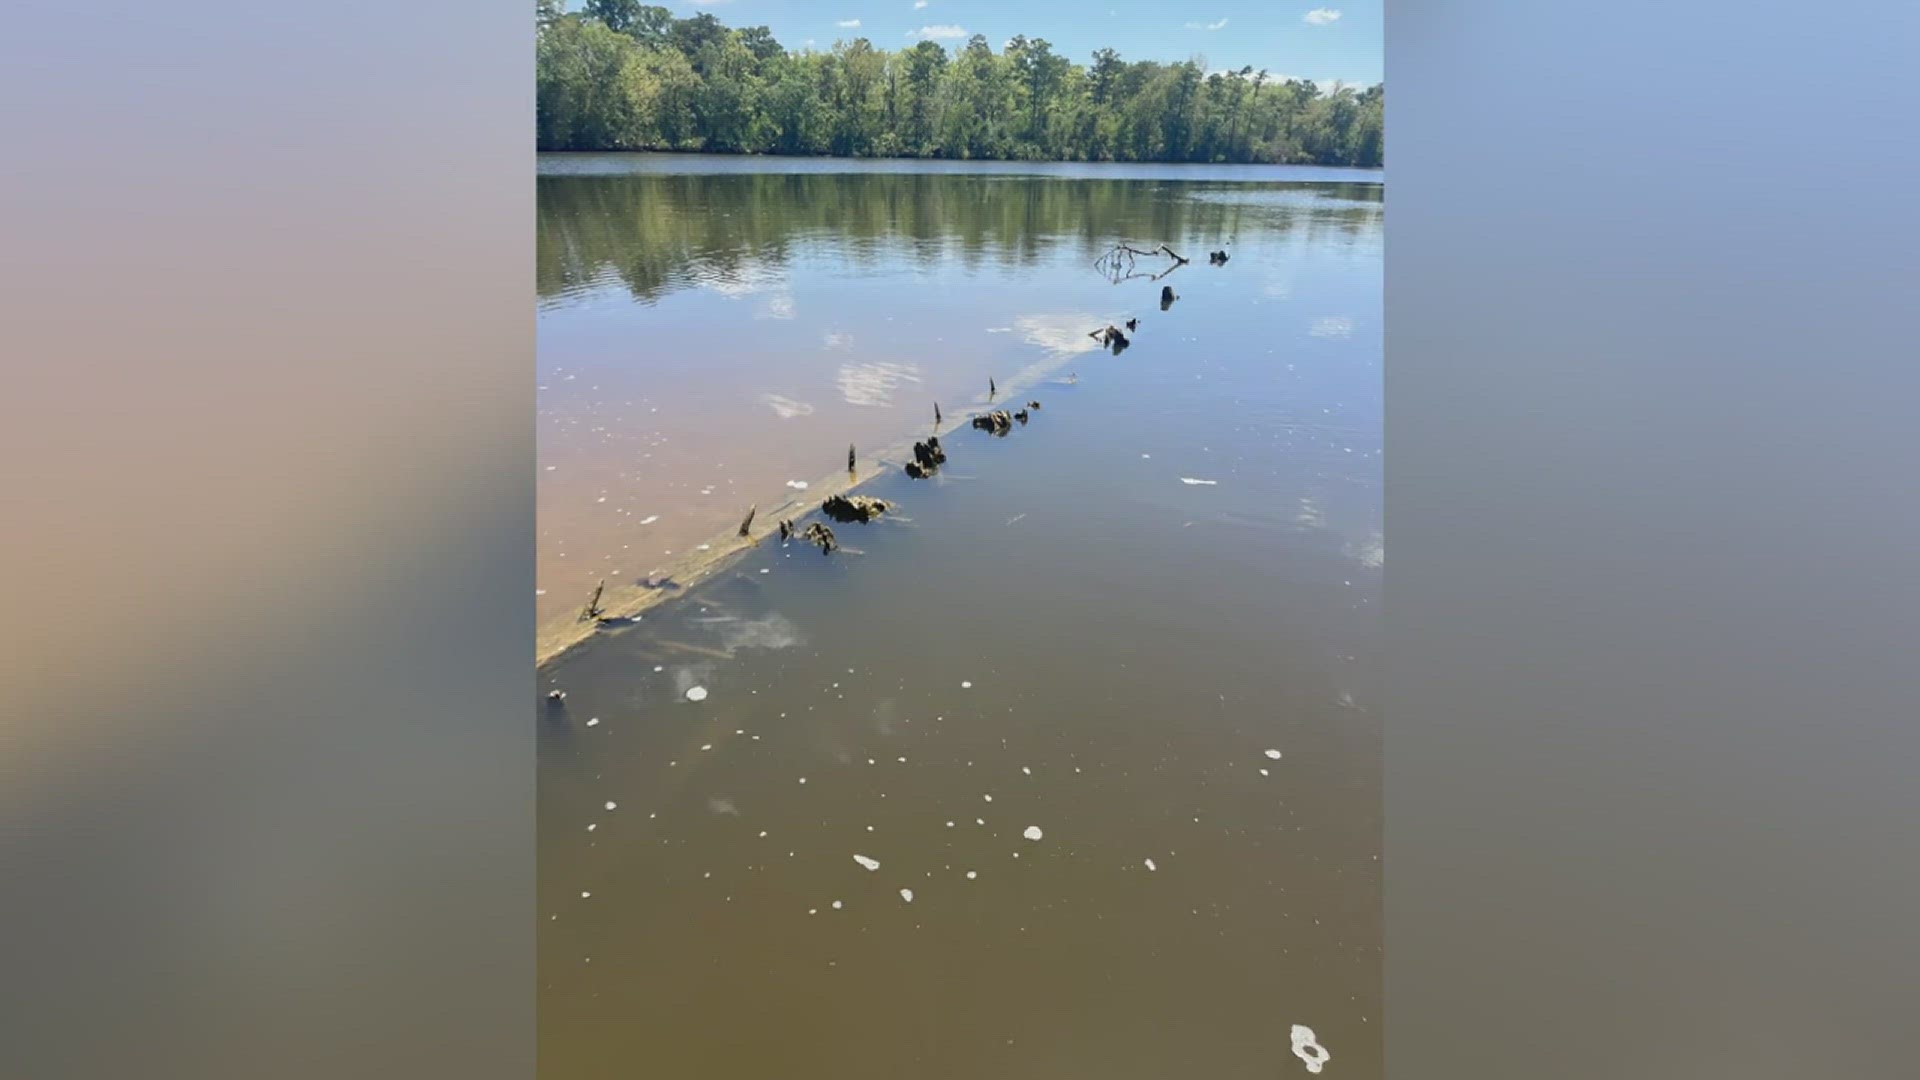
<point>1021,416</point>
<point>1133,324</point>
<point>1167,297</point>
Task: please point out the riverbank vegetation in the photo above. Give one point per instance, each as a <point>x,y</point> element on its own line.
<point>620,75</point>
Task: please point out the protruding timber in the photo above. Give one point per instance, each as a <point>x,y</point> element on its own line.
<point>1122,262</point>
<point>748,523</point>
<point>845,508</point>
<point>823,535</point>
<point>593,609</point>
<point>999,422</point>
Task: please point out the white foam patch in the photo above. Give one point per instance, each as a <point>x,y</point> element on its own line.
<point>1274,754</point>
<point>971,874</point>
<point>797,485</point>
<point>1308,1049</point>
<point>870,864</point>
<point>650,519</point>
<point>1334,326</point>
<point>611,805</point>
<point>584,894</point>
<point>1033,832</point>
<point>965,684</point>
<point>1150,865</point>
<point>1370,553</point>
<point>786,408</point>
<point>836,905</point>
<point>595,722</point>
<point>1195,482</point>
<point>696,693</point>
<point>907,895</point>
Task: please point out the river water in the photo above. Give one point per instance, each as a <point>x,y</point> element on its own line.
<point>1101,695</point>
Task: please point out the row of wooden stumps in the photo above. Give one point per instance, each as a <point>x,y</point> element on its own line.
<point>928,454</point>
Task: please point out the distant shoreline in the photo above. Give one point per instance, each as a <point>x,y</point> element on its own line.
<point>918,159</point>
<point>570,163</point>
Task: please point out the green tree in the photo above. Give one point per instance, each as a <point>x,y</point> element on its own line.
<point>618,16</point>
<point>581,96</point>
<point>691,36</point>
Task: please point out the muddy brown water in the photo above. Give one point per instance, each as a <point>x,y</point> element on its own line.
<point>1096,626</point>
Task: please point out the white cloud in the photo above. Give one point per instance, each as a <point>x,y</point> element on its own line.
<point>848,24</point>
<point>918,4</point>
<point>1221,25</point>
<point>935,33</point>
<point>1323,16</point>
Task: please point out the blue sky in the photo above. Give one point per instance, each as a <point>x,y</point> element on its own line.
<point>1322,40</point>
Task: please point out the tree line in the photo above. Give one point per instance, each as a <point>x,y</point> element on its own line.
<point>621,75</point>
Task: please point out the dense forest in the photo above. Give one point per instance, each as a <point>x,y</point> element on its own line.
<point>620,75</point>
